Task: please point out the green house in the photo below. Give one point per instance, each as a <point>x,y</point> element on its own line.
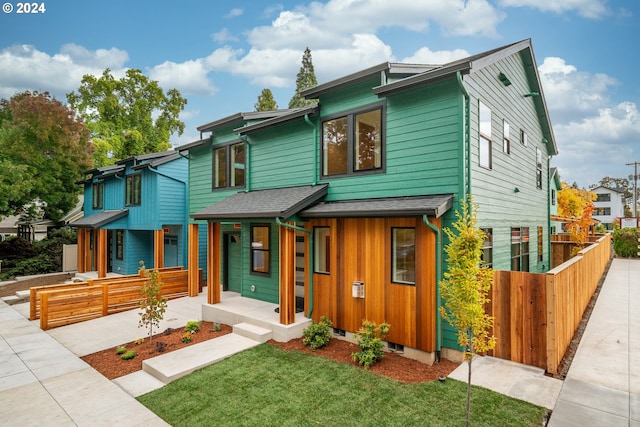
<point>338,209</point>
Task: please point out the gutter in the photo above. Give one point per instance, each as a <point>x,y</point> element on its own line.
<point>304,230</point>
<point>438,233</point>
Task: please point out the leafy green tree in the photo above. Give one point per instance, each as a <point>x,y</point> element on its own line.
<point>127,116</point>
<point>465,288</point>
<point>44,148</point>
<point>305,79</point>
<point>266,102</point>
<point>153,304</point>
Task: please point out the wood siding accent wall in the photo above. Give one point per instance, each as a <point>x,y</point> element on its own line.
<point>361,251</point>
<point>213,262</point>
<point>193,259</point>
<point>287,275</point>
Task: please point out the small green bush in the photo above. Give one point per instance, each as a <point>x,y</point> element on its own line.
<point>370,338</point>
<point>192,327</point>
<point>317,335</point>
<point>217,327</point>
<point>121,349</point>
<point>625,242</point>
<point>128,355</point>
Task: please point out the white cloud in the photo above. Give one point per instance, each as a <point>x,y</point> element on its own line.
<point>234,12</point>
<point>23,67</point>
<point>223,36</point>
<point>425,55</point>
<point>187,77</point>
<point>593,9</point>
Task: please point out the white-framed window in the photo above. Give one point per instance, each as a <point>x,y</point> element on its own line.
<point>484,114</point>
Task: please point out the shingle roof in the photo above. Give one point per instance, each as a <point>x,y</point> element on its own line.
<point>389,207</point>
<point>99,219</point>
<point>271,203</point>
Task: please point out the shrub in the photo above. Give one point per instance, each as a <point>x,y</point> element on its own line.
<point>317,335</point>
<point>128,355</point>
<point>217,327</point>
<point>161,346</point>
<point>121,349</point>
<point>192,327</point>
<point>625,242</point>
<point>138,341</point>
<point>370,338</point>
<point>187,337</point>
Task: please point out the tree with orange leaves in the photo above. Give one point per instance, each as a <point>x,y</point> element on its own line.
<point>577,204</point>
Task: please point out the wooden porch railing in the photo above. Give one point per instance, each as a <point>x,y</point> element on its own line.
<point>58,305</point>
<point>536,315</point>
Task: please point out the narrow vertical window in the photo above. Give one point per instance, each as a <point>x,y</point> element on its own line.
<point>487,248</point>
<point>237,165</point>
<point>119,244</point>
<point>525,249</point>
<point>403,255</point>
<point>524,139</point>
<point>540,244</point>
<point>322,250</point>
<point>133,190</point>
<point>538,168</point>
<point>335,149</point>
<point>506,140</point>
<point>485,136</point>
<point>368,145</point>
<point>98,196</point>
<point>220,167</point>
<point>260,255</point>
<point>515,249</point>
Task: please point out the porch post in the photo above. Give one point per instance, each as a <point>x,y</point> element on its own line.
<point>213,263</point>
<point>287,275</point>
<point>82,248</point>
<point>101,245</point>
<point>192,276</point>
<point>158,248</point>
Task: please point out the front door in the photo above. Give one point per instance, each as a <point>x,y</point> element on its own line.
<point>170,250</point>
<point>232,273</point>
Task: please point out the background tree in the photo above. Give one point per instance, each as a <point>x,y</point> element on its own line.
<point>465,288</point>
<point>266,102</point>
<point>576,203</point>
<point>305,79</point>
<point>44,149</point>
<point>128,116</point>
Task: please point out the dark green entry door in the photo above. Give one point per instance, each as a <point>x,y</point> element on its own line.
<point>233,262</point>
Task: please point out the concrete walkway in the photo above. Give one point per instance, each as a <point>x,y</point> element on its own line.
<point>602,387</point>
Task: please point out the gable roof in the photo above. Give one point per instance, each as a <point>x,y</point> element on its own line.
<point>270,203</point>
<point>99,219</point>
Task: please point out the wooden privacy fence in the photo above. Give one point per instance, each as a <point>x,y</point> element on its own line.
<point>58,305</point>
<point>536,315</point>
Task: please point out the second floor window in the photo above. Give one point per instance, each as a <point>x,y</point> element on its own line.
<point>133,190</point>
<point>98,196</point>
<point>487,248</point>
<point>538,168</point>
<point>229,166</point>
<point>604,197</point>
<point>353,143</point>
<point>485,136</point>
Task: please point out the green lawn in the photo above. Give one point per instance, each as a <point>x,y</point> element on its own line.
<point>266,386</point>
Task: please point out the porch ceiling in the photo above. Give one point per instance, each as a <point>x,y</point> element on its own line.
<point>271,203</point>
<point>99,219</point>
<point>434,206</point>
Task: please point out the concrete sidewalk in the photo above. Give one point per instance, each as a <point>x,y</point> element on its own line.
<point>602,387</point>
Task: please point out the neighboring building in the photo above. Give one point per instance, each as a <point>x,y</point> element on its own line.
<point>609,206</point>
<point>554,186</point>
<point>8,227</point>
<point>340,207</point>
<point>135,210</point>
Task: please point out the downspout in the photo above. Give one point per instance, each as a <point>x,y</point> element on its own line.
<point>304,230</point>
<point>315,150</point>
<point>247,163</point>
<point>436,230</point>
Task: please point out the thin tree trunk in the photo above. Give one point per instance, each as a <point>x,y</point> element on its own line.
<point>468,423</point>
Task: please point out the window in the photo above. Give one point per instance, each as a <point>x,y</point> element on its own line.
<point>602,211</point>
<point>506,141</point>
<point>322,250</point>
<point>553,197</point>
<point>98,195</point>
<point>524,139</point>
<point>520,249</point>
<point>485,136</point>
<point>403,255</point>
<point>540,245</point>
<point>538,168</point>
<point>133,190</point>
<point>229,166</point>
<point>119,244</point>
<point>487,248</point>
<point>353,143</point>
<point>606,197</point>
<point>260,259</point>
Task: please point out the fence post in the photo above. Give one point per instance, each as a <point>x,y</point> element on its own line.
<point>44,311</point>
<point>105,299</point>
<point>552,345</point>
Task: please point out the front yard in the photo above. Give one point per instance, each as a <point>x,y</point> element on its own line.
<point>267,386</point>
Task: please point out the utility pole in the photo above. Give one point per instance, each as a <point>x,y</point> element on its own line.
<point>635,188</point>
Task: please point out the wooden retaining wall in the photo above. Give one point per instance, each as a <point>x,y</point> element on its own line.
<point>64,304</point>
<point>536,315</point>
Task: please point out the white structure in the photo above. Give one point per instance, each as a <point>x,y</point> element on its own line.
<point>609,206</point>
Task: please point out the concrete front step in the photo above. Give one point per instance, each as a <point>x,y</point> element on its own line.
<point>177,364</point>
<point>253,332</point>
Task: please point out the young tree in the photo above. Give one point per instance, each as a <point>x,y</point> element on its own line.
<point>44,148</point>
<point>576,203</point>
<point>305,79</point>
<point>266,102</point>
<point>129,116</point>
<point>153,304</point>
<point>465,288</point>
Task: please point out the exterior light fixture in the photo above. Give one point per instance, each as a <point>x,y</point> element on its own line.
<point>505,81</point>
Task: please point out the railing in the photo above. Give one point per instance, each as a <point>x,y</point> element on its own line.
<point>58,305</point>
<point>536,315</point>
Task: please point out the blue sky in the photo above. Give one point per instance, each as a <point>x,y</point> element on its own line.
<point>220,55</point>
